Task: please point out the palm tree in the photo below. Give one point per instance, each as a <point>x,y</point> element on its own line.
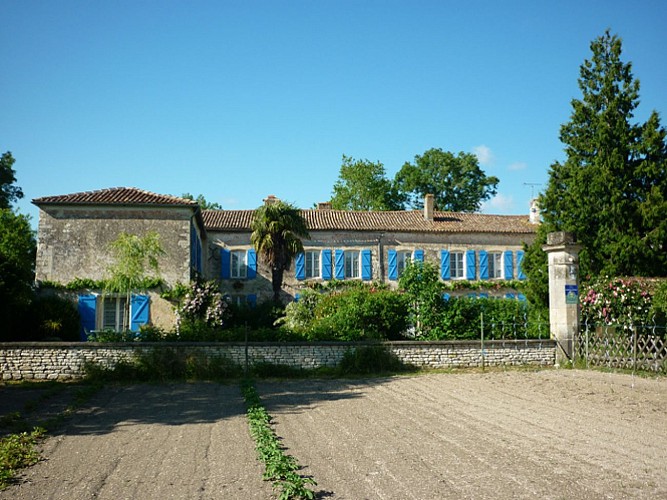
<point>277,229</point>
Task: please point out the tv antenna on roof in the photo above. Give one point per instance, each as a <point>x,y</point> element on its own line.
<point>532,188</point>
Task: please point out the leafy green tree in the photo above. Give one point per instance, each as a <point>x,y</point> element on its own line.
<point>202,202</point>
<point>457,182</point>
<point>421,284</point>
<point>17,269</point>
<point>277,230</point>
<point>362,185</point>
<point>611,190</point>
<point>135,261</point>
<point>9,193</point>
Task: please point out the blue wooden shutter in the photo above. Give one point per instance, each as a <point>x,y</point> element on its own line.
<point>87,306</point>
<point>251,300</point>
<point>444,265</point>
<point>225,263</point>
<point>471,272</point>
<point>139,311</point>
<point>251,259</point>
<point>326,264</point>
<point>366,265</point>
<point>339,265</point>
<point>519,265</point>
<point>418,255</point>
<point>509,271</point>
<point>393,267</point>
<point>300,266</point>
<point>483,265</point>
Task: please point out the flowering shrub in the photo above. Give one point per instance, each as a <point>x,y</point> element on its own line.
<point>202,304</point>
<point>616,301</point>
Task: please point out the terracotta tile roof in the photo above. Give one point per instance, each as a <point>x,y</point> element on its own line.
<point>404,221</point>
<point>115,196</point>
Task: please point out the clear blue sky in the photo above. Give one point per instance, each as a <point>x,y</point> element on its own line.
<point>240,99</point>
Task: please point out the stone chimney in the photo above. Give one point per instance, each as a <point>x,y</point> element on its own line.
<point>324,205</point>
<point>429,206</point>
<point>271,200</point>
<point>534,216</point>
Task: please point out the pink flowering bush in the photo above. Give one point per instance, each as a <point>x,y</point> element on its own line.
<point>616,301</point>
<point>202,305</point>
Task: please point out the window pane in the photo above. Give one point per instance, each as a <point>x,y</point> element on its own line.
<point>238,264</point>
<point>457,264</point>
<point>351,264</point>
<point>312,264</point>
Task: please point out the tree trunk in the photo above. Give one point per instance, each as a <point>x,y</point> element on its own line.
<point>277,282</point>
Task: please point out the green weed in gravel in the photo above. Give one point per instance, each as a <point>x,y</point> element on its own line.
<point>280,468</point>
<point>17,451</point>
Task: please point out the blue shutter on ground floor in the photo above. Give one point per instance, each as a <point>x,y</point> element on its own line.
<point>300,266</point>
<point>251,300</point>
<point>251,262</point>
<point>509,270</point>
<point>326,264</point>
<point>87,311</point>
<point>339,265</point>
<point>366,265</point>
<point>519,265</point>
<point>393,267</point>
<point>483,265</point>
<point>444,265</point>
<point>471,272</point>
<point>139,311</point>
<point>418,255</point>
<point>225,263</point>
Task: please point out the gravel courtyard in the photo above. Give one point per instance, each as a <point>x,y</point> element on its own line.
<point>514,434</point>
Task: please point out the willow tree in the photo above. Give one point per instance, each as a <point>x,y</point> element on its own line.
<point>277,229</point>
<point>135,265</point>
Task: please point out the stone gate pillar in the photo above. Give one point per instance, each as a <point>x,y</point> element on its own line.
<point>563,254</point>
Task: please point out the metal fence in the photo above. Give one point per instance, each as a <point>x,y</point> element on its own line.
<point>621,346</point>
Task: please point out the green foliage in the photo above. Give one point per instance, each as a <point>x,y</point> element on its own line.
<point>280,468</point>
<point>165,364</point>
<point>423,290</point>
<point>372,359</point>
<point>53,317</point>
<point>262,316</point>
<point>135,260</point>
<point>202,202</point>
<point>457,182</point>
<point>9,193</point>
<point>17,261</point>
<point>611,191</point>
<point>277,229</point>
<point>660,303</point>
<point>17,451</point>
<point>362,185</point>
<point>359,314</point>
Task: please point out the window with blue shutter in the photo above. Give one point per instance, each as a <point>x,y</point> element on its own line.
<point>509,271</point>
<point>366,265</point>
<point>326,264</point>
<point>225,263</point>
<point>444,264</point>
<point>393,268</point>
<point>87,311</point>
<point>519,265</point>
<point>339,265</point>
<point>139,311</point>
<point>251,300</point>
<point>471,271</point>
<point>300,266</point>
<point>483,265</point>
<point>251,262</point>
<point>418,255</point>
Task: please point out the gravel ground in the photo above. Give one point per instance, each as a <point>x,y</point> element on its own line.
<point>546,434</point>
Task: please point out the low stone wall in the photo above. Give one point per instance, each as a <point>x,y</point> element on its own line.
<point>66,360</point>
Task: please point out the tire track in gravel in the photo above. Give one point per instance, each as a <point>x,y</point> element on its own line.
<point>475,436</point>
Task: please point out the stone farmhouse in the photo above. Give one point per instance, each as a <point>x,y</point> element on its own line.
<point>75,231</point>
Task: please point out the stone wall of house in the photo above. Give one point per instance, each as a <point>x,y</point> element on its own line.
<point>74,241</point>
<point>62,361</point>
<point>379,243</point>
